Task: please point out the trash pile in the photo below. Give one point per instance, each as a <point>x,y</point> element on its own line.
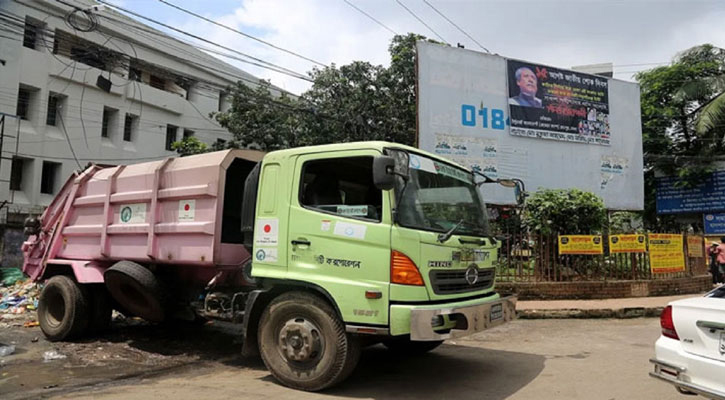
<point>18,299</point>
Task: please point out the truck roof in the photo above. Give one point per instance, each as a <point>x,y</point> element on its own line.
<point>375,145</point>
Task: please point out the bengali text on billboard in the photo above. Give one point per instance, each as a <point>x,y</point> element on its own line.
<point>580,244</point>
<point>627,244</point>
<point>550,103</point>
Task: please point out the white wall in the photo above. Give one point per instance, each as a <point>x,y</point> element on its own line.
<point>83,104</point>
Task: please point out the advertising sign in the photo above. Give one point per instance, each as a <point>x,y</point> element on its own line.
<point>708,196</point>
<point>471,110</point>
<point>551,103</point>
<point>695,246</point>
<point>627,244</point>
<point>666,253</point>
<point>714,224</point>
<point>580,244</point>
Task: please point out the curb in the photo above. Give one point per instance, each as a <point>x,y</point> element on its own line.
<point>620,313</point>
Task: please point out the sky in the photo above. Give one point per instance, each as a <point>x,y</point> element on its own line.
<point>632,34</point>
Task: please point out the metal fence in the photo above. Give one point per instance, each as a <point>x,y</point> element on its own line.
<point>527,257</point>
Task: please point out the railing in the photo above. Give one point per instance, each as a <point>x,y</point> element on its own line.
<point>527,257</point>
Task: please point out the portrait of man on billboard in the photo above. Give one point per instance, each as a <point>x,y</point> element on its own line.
<point>528,85</point>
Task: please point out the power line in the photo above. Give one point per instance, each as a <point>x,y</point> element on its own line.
<point>370,16</point>
<point>421,21</point>
<point>457,27</point>
<point>259,62</point>
<point>241,33</point>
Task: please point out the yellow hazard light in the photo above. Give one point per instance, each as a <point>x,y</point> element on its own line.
<point>403,270</point>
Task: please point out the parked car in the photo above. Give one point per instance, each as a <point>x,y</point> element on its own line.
<point>690,354</point>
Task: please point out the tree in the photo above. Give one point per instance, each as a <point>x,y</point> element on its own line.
<point>680,121</point>
<point>358,101</point>
<point>571,211</point>
<point>188,146</point>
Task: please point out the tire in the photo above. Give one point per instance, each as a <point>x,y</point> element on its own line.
<point>137,290</point>
<point>99,310</point>
<point>404,346</point>
<point>62,309</point>
<point>328,357</point>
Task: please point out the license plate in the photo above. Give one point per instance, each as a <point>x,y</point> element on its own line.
<point>722,343</point>
<point>497,313</point>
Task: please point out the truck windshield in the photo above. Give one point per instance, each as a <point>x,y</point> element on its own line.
<point>438,196</point>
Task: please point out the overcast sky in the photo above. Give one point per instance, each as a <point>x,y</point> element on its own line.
<point>628,33</point>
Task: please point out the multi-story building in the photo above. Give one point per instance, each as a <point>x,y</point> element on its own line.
<point>87,84</point>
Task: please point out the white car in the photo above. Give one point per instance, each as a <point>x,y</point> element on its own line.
<point>690,354</point>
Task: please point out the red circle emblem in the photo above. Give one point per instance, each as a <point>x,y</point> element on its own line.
<point>267,228</point>
<point>186,207</point>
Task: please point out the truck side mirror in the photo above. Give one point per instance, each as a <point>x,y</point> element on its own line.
<point>518,186</point>
<point>383,176</point>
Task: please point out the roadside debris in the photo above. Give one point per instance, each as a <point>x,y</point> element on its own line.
<point>18,301</point>
<point>53,355</point>
<point>6,350</point>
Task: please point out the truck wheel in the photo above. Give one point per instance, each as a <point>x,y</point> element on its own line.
<point>99,309</point>
<point>137,290</point>
<point>303,343</point>
<point>62,309</point>
<point>404,346</point>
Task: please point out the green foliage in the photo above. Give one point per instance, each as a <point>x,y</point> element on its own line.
<point>358,101</point>
<point>189,146</point>
<point>561,211</point>
<point>625,222</point>
<point>683,121</point>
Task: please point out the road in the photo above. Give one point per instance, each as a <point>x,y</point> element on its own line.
<point>527,359</point>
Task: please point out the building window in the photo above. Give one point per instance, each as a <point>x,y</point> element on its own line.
<point>85,51</point>
<point>222,101</point>
<point>170,136</point>
<point>188,133</point>
<point>16,173</point>
<point>32,33</point>
<point>157,82</point>
<point>54,107</point>
<point>109,121</point>
<point>129,126</point>
<point>51,170</point>
<point>24,97</point>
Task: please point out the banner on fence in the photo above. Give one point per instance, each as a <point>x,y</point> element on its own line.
<point>580,244</point>
<point>627,244</point>
<point>666,253</point>
<point>695,244</point>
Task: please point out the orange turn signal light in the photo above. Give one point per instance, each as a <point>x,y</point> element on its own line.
<point>403,270</point>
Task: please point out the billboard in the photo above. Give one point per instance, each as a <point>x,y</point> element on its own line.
<point>550,127</point>
<point>708,196</point>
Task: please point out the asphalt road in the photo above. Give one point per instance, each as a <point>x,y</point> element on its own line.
<point>526,359</point>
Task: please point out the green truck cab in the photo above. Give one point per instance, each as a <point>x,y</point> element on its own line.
<point>360,243</point>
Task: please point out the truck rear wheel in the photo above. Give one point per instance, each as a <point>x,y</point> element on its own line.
<point>137,290</point>
<point>62,309</point>
<point>404,346</point>
<point>303,343</point>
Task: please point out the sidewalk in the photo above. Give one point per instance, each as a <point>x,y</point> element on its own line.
<point>630,307</point>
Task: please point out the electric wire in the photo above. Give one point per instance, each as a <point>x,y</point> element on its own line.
<point>371,17</point>
<point>456,26</point>
<point>421,21</point>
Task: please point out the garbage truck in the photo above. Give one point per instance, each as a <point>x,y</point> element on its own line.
<point>316,251</point>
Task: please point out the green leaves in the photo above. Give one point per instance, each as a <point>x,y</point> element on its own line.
<point>188,146</point>
<point>569,211</point>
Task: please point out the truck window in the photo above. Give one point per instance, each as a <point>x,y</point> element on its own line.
<point>341,186</point>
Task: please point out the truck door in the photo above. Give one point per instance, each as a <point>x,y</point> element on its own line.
<point>339,233</point>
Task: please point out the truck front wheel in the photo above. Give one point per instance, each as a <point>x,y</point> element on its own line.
<point>303,342</point>
<point>62,309</point>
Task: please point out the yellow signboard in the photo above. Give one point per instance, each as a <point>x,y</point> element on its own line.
<point>695,244</point>
<point>580,244</point>
<point>627,244</point>
<point>666,253</point>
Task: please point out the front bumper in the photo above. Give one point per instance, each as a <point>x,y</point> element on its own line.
<point>470,317</point>
<point>687,372</point>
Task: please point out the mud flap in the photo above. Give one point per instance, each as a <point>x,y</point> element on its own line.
<point>252,312</point>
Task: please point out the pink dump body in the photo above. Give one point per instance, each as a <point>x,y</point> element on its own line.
<point>161,212</point>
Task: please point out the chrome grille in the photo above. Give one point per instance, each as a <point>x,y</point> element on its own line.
<point>454,281</point>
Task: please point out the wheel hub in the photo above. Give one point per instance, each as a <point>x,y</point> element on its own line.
<point>300,340</point>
